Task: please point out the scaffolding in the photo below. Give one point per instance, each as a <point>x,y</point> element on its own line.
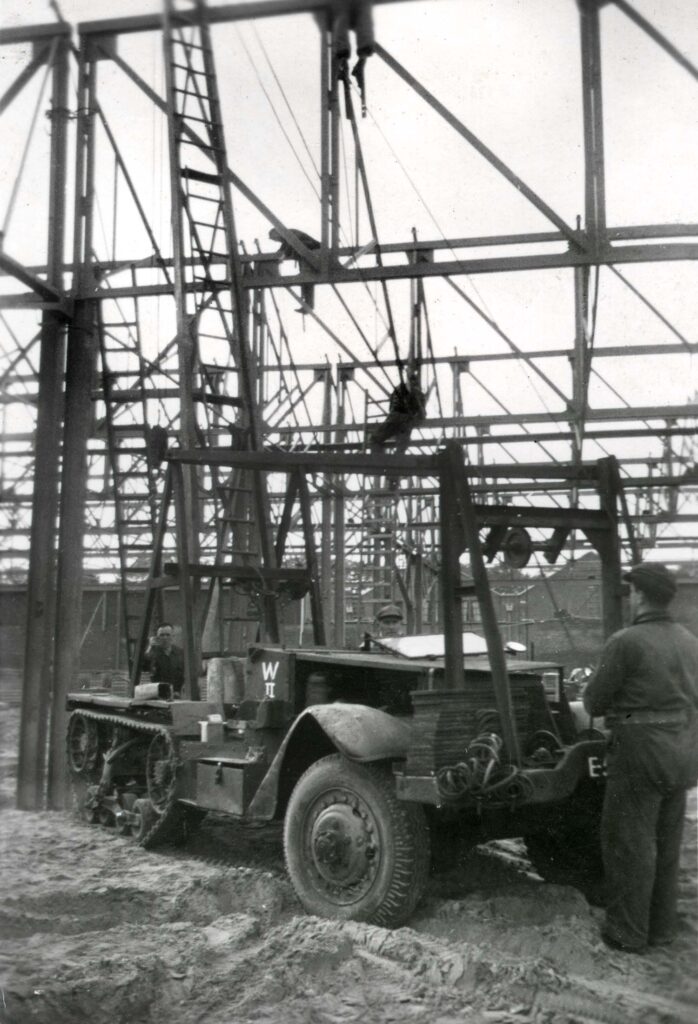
<point>163,331</point>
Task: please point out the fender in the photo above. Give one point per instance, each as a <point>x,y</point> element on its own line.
<point>357,732</point>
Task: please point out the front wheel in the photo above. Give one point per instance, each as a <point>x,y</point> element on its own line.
<point>353,850</point>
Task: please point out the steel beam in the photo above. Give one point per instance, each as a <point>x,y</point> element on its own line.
<point>34,33</point>
<point>670,253</point>
<point>619,234</point>
<point>217,15</point>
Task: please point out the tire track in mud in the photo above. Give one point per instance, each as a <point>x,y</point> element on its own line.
<point>176,938</point>
<point>93,928</point>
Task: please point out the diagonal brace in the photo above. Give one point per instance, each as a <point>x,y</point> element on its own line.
<point>18,270</point>
<point>23,78</point>
<point>288,236</point>
<point>657,36</point>
<point>573,236</point>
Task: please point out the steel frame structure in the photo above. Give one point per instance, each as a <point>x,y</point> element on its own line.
<point>80,302</point>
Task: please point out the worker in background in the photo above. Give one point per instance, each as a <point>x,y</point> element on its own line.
<point>156,442</point>
<point>239,437</point>
<point>287,252</point>
<point>647,687</point>
<point>356,15</point>
<point>351,16</point>
<point>390,623</point>
<point>406,410</point>
<point>164,660</point>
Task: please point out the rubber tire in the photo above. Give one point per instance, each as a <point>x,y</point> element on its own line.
<point>402,840</point>
<point>569,857</point>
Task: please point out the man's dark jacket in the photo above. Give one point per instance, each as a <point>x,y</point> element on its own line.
<point>647,687</point>
<point>166,668</point>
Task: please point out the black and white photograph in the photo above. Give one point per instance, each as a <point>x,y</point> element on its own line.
<point>349,512</point>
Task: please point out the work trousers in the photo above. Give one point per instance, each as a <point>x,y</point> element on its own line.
<point>641,829</point>
<point>356,15</point>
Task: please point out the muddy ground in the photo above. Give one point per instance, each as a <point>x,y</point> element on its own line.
<point>95,929</point>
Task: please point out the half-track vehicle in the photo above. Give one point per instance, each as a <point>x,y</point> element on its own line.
<point>374,760</point>
<point>370,763</point>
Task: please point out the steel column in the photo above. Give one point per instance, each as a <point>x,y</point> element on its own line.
<point>80,372</point>
<point>452,466</point>
<point>595,188</point>
<point>325,91</point>
<point>450,576</point>
<point>335,159</point>
<point>607,545</point>
<point>31,776</point>
<point>326,507</point>
<point>581,364</point>
<point>340,637</point>
<point>186,340</point>
<point>190,644</point>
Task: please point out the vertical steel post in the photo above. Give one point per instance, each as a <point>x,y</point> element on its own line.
<point>340,637</point>
<point>595,186</point>
<point>326,529</point>
<point>189,645</point>
<point>418,589</point>
<point>580,364</point>
<point>608,546</point>
<point>325,87</point>
<point>335,159</point>
<point>80,373</point>
<point>186,341</point>
<point>316,609</point>
<point>31,776</point>
<point>462,514</point>
<point>80,367</point>
<point>451,550</point>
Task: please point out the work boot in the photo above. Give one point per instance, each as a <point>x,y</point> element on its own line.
<point>621,947</point>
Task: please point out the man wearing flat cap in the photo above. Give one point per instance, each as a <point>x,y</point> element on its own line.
<point>390,622</point>
<point>647,687</point>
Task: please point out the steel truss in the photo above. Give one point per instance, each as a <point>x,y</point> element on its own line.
<point>188,339</point>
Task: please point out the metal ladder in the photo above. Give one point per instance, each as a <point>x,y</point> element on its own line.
<point>212,308</point>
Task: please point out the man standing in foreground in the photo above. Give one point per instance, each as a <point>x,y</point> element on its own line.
<point>647,686</point>
<point>163,660</point>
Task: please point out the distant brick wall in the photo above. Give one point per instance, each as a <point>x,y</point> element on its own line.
<point>575,644</point>
<point>572,635</point>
